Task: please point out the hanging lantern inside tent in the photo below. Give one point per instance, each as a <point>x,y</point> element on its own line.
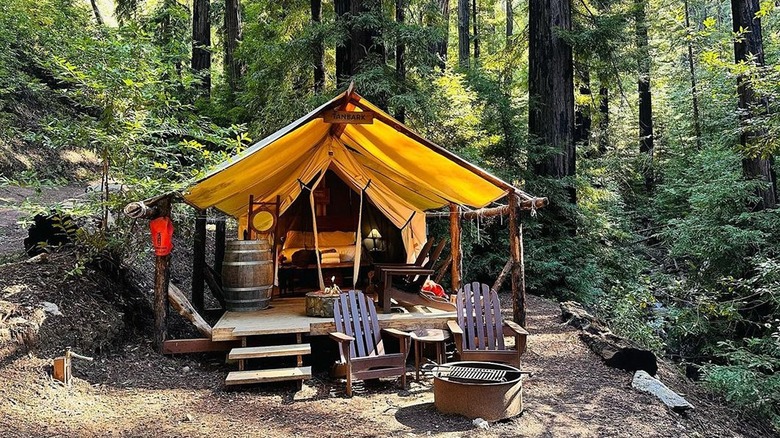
<point>162,235</point>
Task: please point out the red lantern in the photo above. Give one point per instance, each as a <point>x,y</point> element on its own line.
<point>162,235</point>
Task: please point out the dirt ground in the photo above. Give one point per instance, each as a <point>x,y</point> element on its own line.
<point>135,392</point>
<point>130,390</point>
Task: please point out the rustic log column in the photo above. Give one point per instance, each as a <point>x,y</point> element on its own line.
<point>162,275</point>
<point>198,259</point>
<point>219,245</point>
<point>516,253</point>
<point>455,250</point>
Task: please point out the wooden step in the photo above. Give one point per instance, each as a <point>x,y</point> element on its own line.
<point>272,375</point>
<point>269,351</point>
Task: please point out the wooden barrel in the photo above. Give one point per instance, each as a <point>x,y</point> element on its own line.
<point>247,275</point>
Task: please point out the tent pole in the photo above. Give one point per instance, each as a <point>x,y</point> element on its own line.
<point>314,227</point>
<point>358,241</point>
<point>518,269</point>
<point>455,246</point>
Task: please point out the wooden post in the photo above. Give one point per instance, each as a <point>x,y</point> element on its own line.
<point>161,277</point>
<point>198,259</point>
<point>455,249</point>
<point>219,245</point>
<point>518,270</point>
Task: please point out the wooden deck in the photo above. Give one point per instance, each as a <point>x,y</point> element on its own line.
<point>288,315</point>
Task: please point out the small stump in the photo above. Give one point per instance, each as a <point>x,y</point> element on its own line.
<point>320,304</point>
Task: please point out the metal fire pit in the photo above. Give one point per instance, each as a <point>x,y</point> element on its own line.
<point>487,390</point>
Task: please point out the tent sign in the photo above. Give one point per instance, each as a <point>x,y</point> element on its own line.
<point>350,117</point>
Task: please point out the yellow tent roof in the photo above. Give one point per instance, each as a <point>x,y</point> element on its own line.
<point>400,171</point>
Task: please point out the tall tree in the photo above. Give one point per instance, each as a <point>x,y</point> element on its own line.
<point>201,43</point>
<point>749,48</point>
<point>645,97</point>
<point>582,111</point>
<point>233,67</point>
<point>400,51</point>
<point>510,22</point>
<point>692,72</point>
<point>318,51</point>
<point>474,17</point>
<point>603,118</point>
<point>551,88</point>
<point>359,17</point>
<point>441,46</point>
<point>464,43</point>
<point>344,48</point>
<point>96,11</point>
<point>364,36</point>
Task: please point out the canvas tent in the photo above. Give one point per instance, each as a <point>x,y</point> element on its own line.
<point>400,172</point>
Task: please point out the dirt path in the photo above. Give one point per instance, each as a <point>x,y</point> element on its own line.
<point>12,199</point>
<point>135,392</point>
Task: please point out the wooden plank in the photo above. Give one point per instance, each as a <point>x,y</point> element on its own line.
<point>198,345</point>
<point>349,117</point>
<point>198,258</point>
<point>287,315</point>
<point>179,302</point>
<point>269,351</point>
<point>263,376</point>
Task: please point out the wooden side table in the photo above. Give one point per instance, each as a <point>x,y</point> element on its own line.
<point>425,336</point>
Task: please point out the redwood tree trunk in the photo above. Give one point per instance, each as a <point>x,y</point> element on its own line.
<point>96,11</point>
<point>551,88</point>
<point>510,22</point>
<point>645,97</point>
<point>441,46</point>
<point>400,51</point>
<point>363,41</point>
<point>474,16</point>
<point>318,51</point>
<point>582,114</point>
<point>201,42</point>
<point>463,33</point>
<point>233,67</point>
<point>343,50</point>
<point>603,119</point>
<point>692,71</point>
<point>749,48</point>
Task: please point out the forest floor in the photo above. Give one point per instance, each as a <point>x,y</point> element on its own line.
<point>130,390</point>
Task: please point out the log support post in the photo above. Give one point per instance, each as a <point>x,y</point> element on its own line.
<point>198,259</point>
<point>516,254</point>
<point>162,275</point>
<point>455,246</point>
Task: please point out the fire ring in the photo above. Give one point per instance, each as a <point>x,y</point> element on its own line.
<point>487,390</point>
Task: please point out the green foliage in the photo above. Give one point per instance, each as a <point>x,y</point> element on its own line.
<point>750,378</point>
